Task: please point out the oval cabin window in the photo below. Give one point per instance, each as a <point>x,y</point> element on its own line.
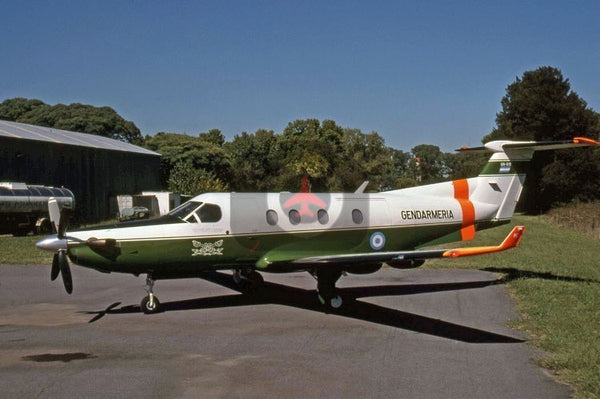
<point>357,216</point>
<point>323,216</point>
<point>294,217</point>
<point>272,217</point>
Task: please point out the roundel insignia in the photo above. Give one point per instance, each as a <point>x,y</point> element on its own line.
<point>377,240</point>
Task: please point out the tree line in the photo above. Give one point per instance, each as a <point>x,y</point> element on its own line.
<point>539,105</point>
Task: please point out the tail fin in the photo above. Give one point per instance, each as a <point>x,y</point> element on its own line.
<point>501,181</point>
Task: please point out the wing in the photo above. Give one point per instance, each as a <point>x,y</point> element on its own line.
<point>511,241</point>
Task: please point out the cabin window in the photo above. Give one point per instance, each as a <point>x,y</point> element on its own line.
<point>323,216</point>
<point>294,217</point>
<point>272,217</point>
<point>357,216</point>
<point>210,213</point>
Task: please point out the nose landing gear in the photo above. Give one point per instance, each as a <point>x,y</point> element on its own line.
<point>150,304</point>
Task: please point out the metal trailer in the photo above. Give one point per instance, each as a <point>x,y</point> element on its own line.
<point>24,208</point>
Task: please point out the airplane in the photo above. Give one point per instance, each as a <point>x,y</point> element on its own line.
<point>325,234</point>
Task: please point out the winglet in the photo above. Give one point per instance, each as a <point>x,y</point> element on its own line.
<point>511,241</point>
<point>585,140</point>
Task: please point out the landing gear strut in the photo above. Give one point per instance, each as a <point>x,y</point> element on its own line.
<point>248,280</point>
<point>150,303</point>
<point>326,290</point>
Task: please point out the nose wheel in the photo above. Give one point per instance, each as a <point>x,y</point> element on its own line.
<point>150,303</point>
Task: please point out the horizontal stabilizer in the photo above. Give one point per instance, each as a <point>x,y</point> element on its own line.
<point>506,145</point>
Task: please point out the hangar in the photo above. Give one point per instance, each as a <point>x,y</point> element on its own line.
<point>94,168</point>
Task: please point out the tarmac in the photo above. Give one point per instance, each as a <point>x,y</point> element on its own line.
<point>401,334</point>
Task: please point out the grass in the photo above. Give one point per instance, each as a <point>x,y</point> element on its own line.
<point>22,251</point>
<point>554,276</point>
<point>581,217</point>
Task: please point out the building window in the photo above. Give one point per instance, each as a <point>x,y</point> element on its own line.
<point>294,217</point>
<point>323,216</point>
<point>272,217</point>
<point>357,216</point>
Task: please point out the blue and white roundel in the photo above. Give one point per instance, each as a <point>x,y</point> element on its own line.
<point>377,240</point>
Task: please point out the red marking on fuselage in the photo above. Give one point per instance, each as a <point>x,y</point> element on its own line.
<point>255,247</point>
<point>304,199</point>
<point>461,194</point>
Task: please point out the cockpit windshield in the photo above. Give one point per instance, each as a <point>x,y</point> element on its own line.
<point>183,210</point>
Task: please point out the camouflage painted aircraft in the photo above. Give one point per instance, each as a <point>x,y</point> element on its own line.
<point>325,234</point>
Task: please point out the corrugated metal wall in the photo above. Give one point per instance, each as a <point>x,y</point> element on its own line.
<point>94,175</point>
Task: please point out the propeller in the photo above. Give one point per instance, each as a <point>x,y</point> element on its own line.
<point>106,247</point>
<point>58,245</point>
<point>65,271</point>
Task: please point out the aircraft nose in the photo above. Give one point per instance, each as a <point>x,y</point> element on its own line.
<point>52,244</point>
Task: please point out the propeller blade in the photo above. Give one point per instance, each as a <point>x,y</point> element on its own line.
<point>55,268</point>
<point>63,221</point>
<point>54,212</point>
<point>65,271</point>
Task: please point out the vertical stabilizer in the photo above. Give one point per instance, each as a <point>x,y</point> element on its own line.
<point>501,181</point>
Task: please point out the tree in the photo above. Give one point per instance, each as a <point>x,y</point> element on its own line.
<point>213,136</point>
<point>427,164</point>
<point>309,144</point>
<point>186,179</point>
<point>462,166</point>
<point>255,161</point>
<point>102,121</point>
<point>14,108</point>
<point>366,157</point>
<point>178,148</point>
<point>542,106</point>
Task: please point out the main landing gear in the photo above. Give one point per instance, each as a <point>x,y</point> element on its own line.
<point>150,303</point>
<point>248,280</point>
<point>327,293</point>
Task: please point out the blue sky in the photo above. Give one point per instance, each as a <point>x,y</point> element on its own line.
<point>422,72</point>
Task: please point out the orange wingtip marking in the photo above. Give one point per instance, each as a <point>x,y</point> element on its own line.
<point>511,241</point>
<point>584,140</point>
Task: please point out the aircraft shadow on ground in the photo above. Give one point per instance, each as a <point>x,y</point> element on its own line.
<point>273,293</point>
<point>511,274</point>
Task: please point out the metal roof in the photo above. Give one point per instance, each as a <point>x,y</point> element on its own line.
<point>51,135</point>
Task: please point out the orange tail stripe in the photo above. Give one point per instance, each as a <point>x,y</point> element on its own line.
<point>461,193</point>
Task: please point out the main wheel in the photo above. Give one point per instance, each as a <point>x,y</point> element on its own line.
<point>248,281</point>
<point>148,307</point>
<point>331,302</point>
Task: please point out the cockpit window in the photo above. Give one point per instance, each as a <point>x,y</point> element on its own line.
<point>209,213</point>
<point>184,210</point>
<point>197,212</point>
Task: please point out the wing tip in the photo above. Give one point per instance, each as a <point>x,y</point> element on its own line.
<point>512,240</point>
<point>585,140</point>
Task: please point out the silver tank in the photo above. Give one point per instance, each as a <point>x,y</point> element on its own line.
<point>23,207</point>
